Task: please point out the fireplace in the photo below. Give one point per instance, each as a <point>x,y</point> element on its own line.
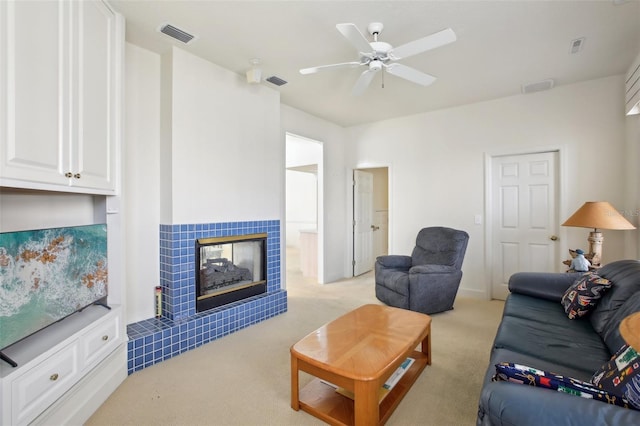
<point>181,328</point>
<point>229,269</point>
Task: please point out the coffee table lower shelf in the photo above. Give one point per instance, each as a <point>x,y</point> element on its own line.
<point>322,401</point>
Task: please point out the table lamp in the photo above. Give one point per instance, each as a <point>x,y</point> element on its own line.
<point>597,215</point>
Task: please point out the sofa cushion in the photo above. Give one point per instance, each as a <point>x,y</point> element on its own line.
<point>508,355</point>
<point>620,376</point>
<point>612,337</point>
<point>583,295</point>
<point>566,343</point>
<point>540,310</point>
<point>550,286</point>
<point>625,276</point>
<point>525,375</point>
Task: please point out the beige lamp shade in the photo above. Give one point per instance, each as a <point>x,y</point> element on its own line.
<point>598,215</point>
<point>630,330</point>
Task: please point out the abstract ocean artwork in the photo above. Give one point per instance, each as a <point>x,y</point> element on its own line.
<point>48,274</point>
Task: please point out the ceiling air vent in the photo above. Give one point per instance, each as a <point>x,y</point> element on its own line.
<point>176,33</point>
<point>537,87</point>
<point>276,80</point>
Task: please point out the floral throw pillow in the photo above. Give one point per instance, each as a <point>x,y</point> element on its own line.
<point>583,295</point>
<point>621,375</point>
<point>521,374</point>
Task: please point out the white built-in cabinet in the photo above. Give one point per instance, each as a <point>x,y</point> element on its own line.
<point>60,130</point>
<point>51,363</point>
<point>59,94</point>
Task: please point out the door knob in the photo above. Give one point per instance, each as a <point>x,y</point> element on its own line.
<point>553,238</point>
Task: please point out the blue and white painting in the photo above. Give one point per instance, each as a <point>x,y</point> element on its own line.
<point>48,274</point>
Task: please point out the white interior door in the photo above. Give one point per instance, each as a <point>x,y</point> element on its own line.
<point>524,216</point>
<point>362,222</point>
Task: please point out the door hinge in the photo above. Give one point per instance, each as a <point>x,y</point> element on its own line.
<point>353,263</point>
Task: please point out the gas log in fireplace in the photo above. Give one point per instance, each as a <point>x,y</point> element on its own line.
<point>229,269</point>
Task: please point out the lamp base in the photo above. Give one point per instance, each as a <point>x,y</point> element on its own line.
<point>595,247</point>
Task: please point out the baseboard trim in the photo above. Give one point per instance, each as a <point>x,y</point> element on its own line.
<point>473,294</point>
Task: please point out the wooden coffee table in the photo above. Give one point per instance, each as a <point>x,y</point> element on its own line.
<point>358,352</point>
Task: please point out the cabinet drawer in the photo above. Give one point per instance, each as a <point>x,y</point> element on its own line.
<point>104,338</point>
<point>38,388</point>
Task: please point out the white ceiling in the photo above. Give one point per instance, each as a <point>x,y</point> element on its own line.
<point>500,46</point>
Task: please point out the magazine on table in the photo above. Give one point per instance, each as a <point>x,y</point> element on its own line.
<point>386,387</point>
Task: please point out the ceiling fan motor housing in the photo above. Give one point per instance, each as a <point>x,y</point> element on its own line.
<point>381,48</point>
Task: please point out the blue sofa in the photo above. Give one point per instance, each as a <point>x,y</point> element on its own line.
<point>536,332</point>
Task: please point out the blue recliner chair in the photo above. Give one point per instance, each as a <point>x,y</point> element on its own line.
<point>428,280</point>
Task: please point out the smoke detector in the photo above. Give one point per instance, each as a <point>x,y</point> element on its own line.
<point>254,75</point>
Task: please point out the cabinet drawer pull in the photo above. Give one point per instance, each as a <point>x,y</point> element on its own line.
<point>68,174</point>
<point>105,337</point>
<point>77,176</point>
<point>53,377</point>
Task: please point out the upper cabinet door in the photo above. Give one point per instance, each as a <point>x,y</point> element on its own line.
<point>32,84</point>
<point>94,152</point>
<point>60,68</point>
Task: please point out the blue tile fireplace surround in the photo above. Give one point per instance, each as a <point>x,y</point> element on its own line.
<point>181,328</point>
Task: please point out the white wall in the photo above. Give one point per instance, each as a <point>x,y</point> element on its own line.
<point>22,210</point>
<point>227,151</point>
<point>141,177</point>
<point>437,162</point>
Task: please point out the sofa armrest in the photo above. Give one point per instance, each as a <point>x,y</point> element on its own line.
<point>432,269</point>
<point>396,261</point>
<point>543,285</point>
<point>503,403</point>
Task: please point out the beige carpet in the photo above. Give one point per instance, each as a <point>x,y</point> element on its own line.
<point>244,378</point>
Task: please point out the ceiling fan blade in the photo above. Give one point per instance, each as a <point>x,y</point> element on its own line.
<point>411,74</point>
<point>314,70</point>
<point>353,34</point>
<point>363,82</point>
<point>423,44</point>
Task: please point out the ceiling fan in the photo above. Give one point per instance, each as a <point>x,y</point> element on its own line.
<point>378,55</point>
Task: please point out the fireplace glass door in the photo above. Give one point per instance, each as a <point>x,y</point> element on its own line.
<point>229,269</point>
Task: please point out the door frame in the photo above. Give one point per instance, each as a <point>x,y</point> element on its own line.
<point>349,218</point>
<point>319,208</point>
<point>561,204</point>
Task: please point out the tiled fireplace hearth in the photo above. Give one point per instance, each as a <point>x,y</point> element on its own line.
<point>181,328</point>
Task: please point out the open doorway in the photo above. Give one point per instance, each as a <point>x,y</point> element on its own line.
<point>370,217</point>
<point>303,227</point>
